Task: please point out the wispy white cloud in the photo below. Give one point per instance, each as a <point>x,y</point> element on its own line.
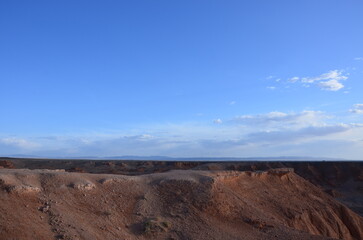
<point>281,119</point>
<point>330,81</point>
<point>300,134</point>
<point>18,142</point>
<point>269,134</point>
<point>17,145</point>
<point>232,103</point>
<point>274,78</point>
<point>358,58</point>
<point>217,121</point>
<point>293,79</point>
<point>271,87</point>
<point>357,108</point>
<point>331,85</point>
<point>331,75</point>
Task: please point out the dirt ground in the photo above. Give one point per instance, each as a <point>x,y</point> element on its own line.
<point>185,201</point>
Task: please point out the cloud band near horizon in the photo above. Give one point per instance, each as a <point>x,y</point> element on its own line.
<point>271,134</point>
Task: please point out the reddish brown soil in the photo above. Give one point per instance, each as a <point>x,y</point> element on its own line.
<point>342,180</point>
<point>177,204</point>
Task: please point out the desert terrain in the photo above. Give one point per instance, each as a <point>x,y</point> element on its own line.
<point>94,199</point>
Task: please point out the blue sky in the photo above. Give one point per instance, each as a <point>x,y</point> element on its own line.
<point>182,78</point>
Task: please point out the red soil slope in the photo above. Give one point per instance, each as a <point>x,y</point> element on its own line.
<point>182,204</point>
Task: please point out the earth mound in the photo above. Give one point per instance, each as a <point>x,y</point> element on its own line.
<point>178,204</point>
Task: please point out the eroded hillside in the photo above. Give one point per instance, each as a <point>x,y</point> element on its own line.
<point>179,204</point>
